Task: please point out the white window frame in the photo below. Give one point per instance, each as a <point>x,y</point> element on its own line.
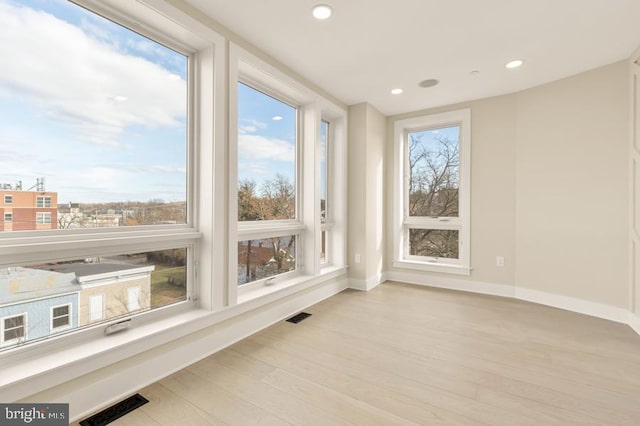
<point>247,68</point>
<point>328,219</point>
<point>8,217</point>
<point>25,325</point>
<point>8,199</point>
<point>401,219</point>
<point>43,201</point>
<point>69,315</point>
<point>43,218</point>
<point>170,26</point>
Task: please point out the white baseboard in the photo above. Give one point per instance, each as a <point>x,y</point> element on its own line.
<point>598,310</point>
<point>368,284</point>
<point>634,322</point>
<point>452,283</point>
<point>106,386</point>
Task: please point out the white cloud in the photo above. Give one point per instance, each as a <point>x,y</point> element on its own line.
<point>87,77</point>
<point>256,147</point>
<point>250,126</point>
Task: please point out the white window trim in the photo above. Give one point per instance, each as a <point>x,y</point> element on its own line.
<point>187,34</point>
<point>249,69</point>
<point>4,342</point>
<point>66,356</point>
<point>53,329</point>
<point>402,222</point>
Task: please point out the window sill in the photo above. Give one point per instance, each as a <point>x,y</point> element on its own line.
<point>287,287</point>
<point>29,370</point>
<point>432,267</point>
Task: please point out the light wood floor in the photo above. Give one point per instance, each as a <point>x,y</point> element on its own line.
<point>404,354</point>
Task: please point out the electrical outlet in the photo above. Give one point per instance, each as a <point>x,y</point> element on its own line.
<point>357,258</point>
<point>500,261</point>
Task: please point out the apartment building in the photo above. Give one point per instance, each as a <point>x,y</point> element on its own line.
<point>27,210</point>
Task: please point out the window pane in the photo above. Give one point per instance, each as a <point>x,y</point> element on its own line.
<point>324,134</point>
<point>62,310</point>
<point>92,289</point>
<point>323,251</point>
<point>60,322</point>
<point>14,322</point>
<point>433,243</point>
<point>15,333</point>
<point>434,178</point>
<point>266,157</point>
<point>258,259</point>
<point>106,125</point>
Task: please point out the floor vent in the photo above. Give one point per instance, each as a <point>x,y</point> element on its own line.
<point>116,411</point>
<point>299,317</point>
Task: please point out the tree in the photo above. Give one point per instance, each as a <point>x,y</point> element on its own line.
<point>276,201</point>
<point>433,192</point>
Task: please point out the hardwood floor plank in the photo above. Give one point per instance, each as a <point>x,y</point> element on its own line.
<point>406,355</point>
<point>406,407</point>
<point>283,404</point>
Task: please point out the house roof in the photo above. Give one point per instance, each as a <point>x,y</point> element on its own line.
<point>18,284</point>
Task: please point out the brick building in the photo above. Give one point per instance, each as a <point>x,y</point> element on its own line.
<point>27,210</point>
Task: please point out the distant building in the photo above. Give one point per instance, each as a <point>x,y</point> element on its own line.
<point>110,290</point>
<point>27,210</point>
<point>36,304</point>
<point>43,300</point>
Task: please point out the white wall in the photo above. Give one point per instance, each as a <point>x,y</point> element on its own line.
<point>492,190</point>
<point>571,186</point>
<point>549,192</point>
<point>634,187</point>
<point>366,195</point>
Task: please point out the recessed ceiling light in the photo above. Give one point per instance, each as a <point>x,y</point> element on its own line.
<point>474,73</point>
<point>396,91</point>
<point>514,64</point>
<point>277,118</point>
<point>322,11</point>
<point>428,83</point>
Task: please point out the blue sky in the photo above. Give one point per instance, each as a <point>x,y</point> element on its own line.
<point>429,138</point>
<point>266,136</point>
<point>96,109</point>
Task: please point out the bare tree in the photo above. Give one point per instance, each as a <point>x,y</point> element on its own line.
<point>433,192</point>
<point>276,201</point>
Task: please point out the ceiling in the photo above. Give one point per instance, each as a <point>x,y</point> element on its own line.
<point>369,47</point>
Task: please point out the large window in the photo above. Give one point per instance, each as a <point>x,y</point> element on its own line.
<point>103,288</point>
<point>324,188</point>
<point>107,125</point>
<point>267,134</point>
<point>287,175</point>
<point>433,192</point>
<point>267,184</point>
<point>111,128</point>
